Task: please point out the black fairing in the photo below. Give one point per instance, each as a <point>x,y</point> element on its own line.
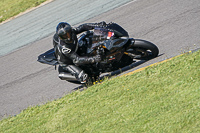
<point>48,57</point>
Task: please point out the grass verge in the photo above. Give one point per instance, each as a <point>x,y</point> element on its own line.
<point>10,8</point>
<point>162,98</point>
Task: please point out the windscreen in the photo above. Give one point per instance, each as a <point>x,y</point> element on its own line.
<point>118,30</point>
<point>101,34</point>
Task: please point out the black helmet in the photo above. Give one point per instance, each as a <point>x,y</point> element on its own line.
<point>64,31</point>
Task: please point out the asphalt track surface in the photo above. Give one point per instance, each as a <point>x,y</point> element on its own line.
<point>41,22</point>
<point>174,26</point>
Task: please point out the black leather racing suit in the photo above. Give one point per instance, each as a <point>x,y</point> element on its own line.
<point>66,52</point>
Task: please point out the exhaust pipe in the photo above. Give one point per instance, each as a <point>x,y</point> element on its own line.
<point>67,76</point>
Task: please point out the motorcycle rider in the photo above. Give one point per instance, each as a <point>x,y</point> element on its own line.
<point>65,47</point>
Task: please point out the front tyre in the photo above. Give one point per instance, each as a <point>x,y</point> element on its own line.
<point>145,49</point>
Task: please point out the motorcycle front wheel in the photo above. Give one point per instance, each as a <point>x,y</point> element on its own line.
<point>144,49</point>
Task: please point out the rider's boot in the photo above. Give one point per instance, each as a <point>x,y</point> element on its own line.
<point>80,75</point>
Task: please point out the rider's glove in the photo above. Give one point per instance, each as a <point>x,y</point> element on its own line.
<point>87,60</point>
<point>101,24</point>
<point>94,59</point>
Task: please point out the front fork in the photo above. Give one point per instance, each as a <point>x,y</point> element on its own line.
<point>134,56</point>
<point>131,43</point>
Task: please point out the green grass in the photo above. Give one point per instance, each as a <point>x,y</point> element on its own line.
<point>10,8</point>
<point>162,98</point>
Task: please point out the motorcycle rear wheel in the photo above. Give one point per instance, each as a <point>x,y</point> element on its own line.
<point>145,49</point>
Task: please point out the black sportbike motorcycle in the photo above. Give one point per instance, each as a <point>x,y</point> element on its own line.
<point>113,44</point>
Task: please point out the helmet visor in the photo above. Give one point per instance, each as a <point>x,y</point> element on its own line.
<point>66,36</point>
